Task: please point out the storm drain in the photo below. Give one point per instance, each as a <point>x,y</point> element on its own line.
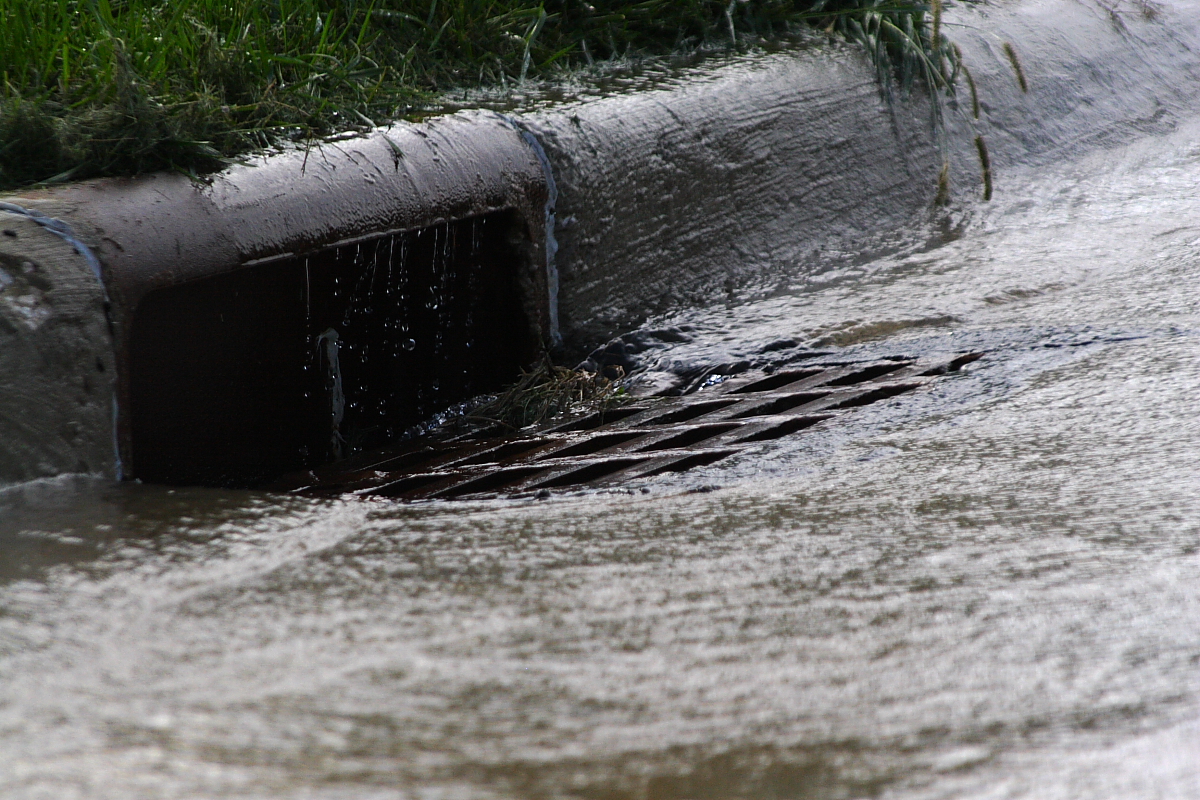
<point>640,439</point>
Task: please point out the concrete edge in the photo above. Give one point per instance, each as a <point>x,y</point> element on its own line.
<point>59,391</point>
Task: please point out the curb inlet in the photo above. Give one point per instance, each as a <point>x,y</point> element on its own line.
<point>240,377</point>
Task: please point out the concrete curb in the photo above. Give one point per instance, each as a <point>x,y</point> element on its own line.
<point>57,395</point>
<point>715,187</point>
<point>730,183</point>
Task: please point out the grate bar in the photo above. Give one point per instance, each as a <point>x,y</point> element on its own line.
<point>640,440</point>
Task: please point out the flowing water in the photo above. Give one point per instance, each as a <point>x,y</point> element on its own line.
<point>989,588</point>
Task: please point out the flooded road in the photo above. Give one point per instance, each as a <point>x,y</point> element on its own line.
<point>988,588</point>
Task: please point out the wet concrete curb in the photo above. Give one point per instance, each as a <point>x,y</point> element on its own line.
<point>56,358</point>
<point>733,183</point>
<point>715,187</point>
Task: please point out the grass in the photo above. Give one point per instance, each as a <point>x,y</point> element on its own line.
<point>118,87</point>
<point>547,391</point>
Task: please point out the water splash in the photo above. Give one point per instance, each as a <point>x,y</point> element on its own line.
<point>327,343</point>
<point>424,319</point>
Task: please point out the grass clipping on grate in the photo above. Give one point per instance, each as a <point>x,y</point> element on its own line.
<point>547,391</point>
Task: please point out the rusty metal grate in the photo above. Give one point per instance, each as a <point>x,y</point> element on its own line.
<point>644,438</point>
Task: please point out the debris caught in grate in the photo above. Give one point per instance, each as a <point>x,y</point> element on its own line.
<point>646,437</point>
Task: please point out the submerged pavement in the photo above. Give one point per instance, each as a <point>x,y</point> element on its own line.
<point>988,588</point>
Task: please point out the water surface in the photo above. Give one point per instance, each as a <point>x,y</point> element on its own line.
<point>989,588</point>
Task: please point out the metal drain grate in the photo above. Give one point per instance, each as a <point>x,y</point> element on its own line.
<point>643,438</point>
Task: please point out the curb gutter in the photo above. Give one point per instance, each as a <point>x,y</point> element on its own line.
<point>715,187</point>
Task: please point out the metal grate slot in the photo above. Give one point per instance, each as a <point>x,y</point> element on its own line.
<point>875,395</point>
<point>588,473</point>
<point>408,483</point>
<point>491,481</point>
<point>691,411</point>
<point>490,432</point>
<point>691,436</point>
<point>593,421</point>
<point>345,484</point>
<point>870,373</point>
<point>404,461</point>
<point>595,444</point>
<point>786,428</point>
<point>782,404</point>
<point>701,459</point>
<point>776,381</point>
<point>502,453</point>
<point>953,366</point>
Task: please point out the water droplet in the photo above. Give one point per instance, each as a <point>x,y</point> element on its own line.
<point>410,344</point>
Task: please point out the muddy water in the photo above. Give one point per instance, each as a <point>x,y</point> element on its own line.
<point>990,588</point>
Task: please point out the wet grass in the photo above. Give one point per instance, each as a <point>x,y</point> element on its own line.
<point>117,87</point>
<point>547,391</point>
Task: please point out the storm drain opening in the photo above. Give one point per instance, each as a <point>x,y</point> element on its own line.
<point>778,380</point>
<point>402,461</point>
<point>502,453</point>
<point>402,486</point>
<point>308,359</point>
<point>785,428</point>
<point>588,473</point>
<point>693,461</point>
<point>489,482</point>
<point>690,412</point>
<point>595,444</point>
<point>691,436</point>
<point>875,395</point>
<point>647,437</point>
<point>869,373</point>
<point>599,418</point>
<point>781,404</point>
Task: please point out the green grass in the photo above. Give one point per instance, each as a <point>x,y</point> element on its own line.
<point>117,87</point>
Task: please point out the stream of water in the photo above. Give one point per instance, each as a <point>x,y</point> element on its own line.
<point>989,588</point>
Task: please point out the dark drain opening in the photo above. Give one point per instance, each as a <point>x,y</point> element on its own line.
<point>875,395</point>
<point>782,404</point>
<point>282,366</point>
<point>405,460</point>
<point>492,481</point>
<point>407,484</point>
<point>593,421</point>
<point>776,381</point>
<point>501,453</point>
<point>690,412</point>
<point>591,472</point>
<point>953,366</point>
<point>690,462</point>
<point>595,444</point>
<point>785,428</point>
<point>868,374</point>
<point>691,436</point>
